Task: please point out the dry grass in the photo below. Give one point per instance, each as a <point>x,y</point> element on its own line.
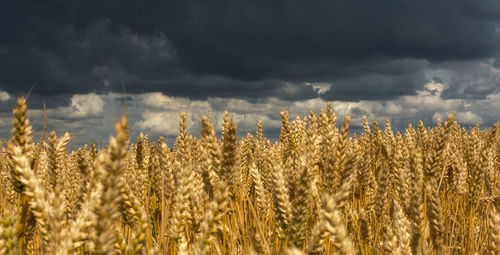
<point>316,191</point>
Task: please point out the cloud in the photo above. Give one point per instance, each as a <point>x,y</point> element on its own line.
<point>165,102</point>
<point>91,117</point>
<point>82,106</point>
<point>320,87</point>
<point>366,50</point>
<point>86,106</point>
<point>160,115</point>
<point>403,60</point>
<point>472,80</point>
<point>98,58</point>
<point>4,96</point>
<point>468,117</point>
<point>159,123</point>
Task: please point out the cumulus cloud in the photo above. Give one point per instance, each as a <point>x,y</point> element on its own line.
<point>165,102</point>
<point>159,123</point>
<point>161,113</point>
<point>83,106</point>
<point>91,117</point>
<point>4,96</point>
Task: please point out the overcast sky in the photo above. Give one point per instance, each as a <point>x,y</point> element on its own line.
<point>403,60</point>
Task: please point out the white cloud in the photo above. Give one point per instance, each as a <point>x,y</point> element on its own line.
<point>393,108</point>
<point>85,106</point>
<point>160,113</point>
<point>157,99</point>
<point>320,87</point>
<point>467,117</point>
<point>4,96</point>
<point>159,123</point>
<point>91,116</point>
<point>82,106</point>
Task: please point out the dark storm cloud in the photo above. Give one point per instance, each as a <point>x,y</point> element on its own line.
<point>243,49</point>
<point>216,86</point>
<point>379,80</point>
<point>374,87</point>
<point>472,80</point>
<point>35,101</point>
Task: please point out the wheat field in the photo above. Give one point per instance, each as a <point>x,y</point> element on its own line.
<point>429,190</point>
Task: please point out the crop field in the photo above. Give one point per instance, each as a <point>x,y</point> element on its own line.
<point>427,190</point>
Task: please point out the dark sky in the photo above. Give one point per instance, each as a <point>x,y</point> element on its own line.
<point>399,59</point>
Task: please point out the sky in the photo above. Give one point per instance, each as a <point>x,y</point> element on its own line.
<point>401,60</point>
